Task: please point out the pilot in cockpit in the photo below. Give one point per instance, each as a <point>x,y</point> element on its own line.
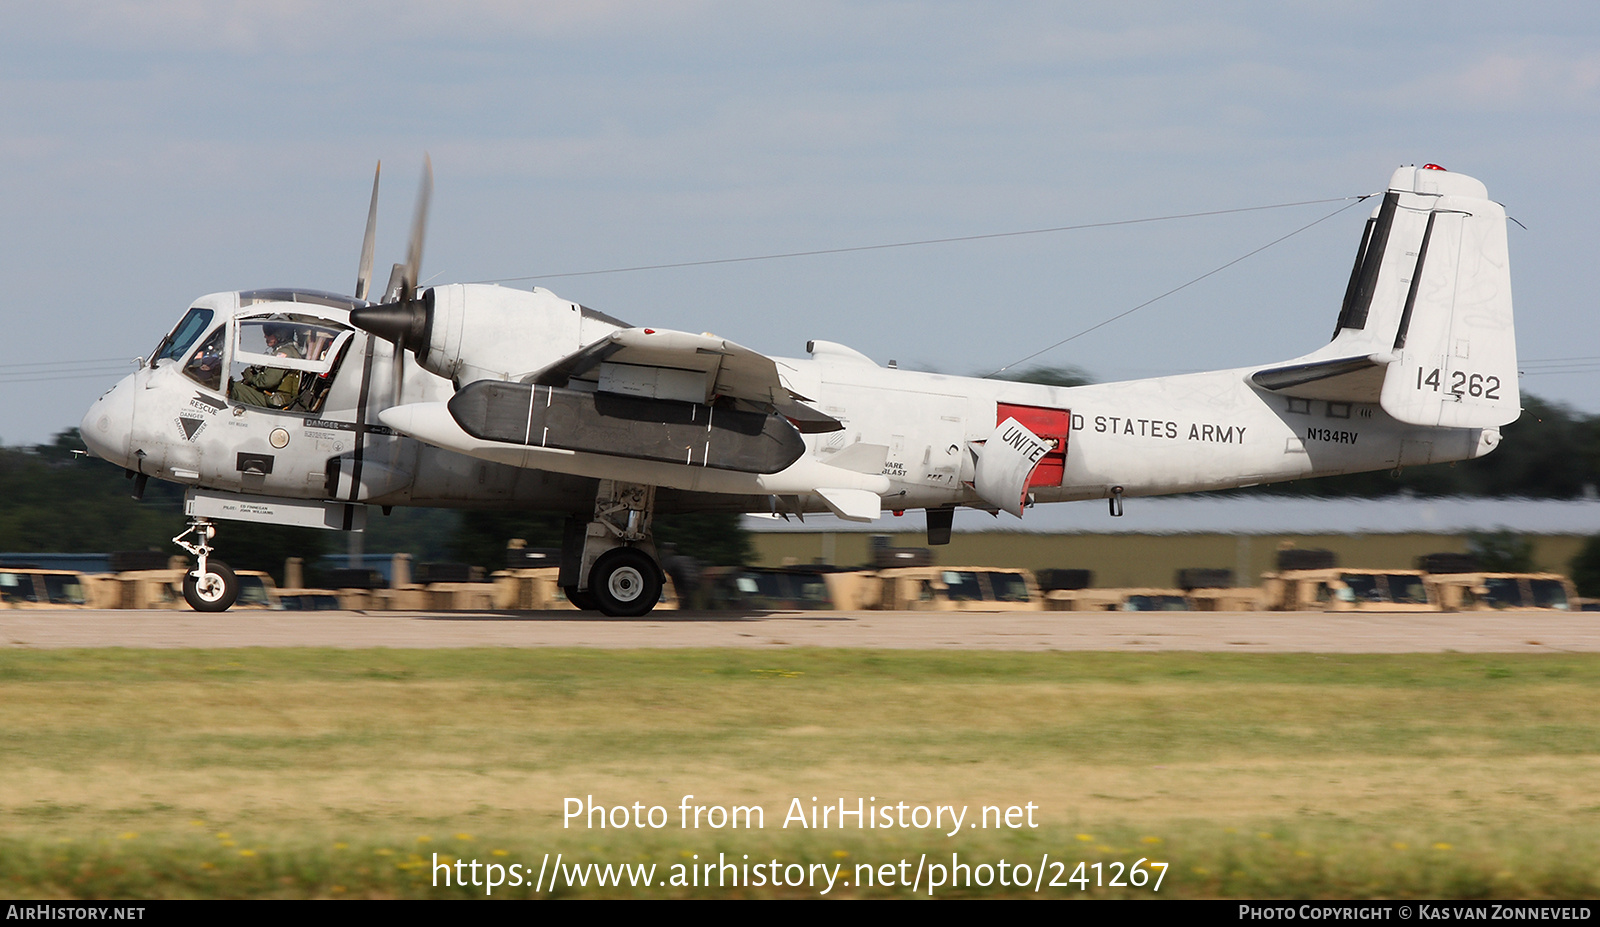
<point>273,387</point>
<point>205,365</point>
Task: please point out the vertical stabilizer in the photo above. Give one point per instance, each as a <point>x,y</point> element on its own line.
<point>1425,329</point>
<point>1440,303</point>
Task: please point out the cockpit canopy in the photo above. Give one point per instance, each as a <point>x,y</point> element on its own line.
<point>249,298</point>
<point>198,319</point>
<point>276,329</point>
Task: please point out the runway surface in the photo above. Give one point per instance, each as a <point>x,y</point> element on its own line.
<point>1223,632</point>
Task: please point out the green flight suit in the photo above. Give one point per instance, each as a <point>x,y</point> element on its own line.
<point>272,387</point>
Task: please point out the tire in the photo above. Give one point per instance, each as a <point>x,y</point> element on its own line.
<point>584,601</point>
<point>217,593</point>
<point>625,583</point>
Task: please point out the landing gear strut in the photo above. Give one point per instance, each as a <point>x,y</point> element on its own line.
<point>609,563</point>
<point>211,585</point>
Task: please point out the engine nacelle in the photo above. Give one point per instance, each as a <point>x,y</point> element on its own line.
<point>469,332</point>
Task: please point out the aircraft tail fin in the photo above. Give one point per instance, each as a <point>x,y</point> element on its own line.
<point>1426,324</point>
<point>1455,345</point>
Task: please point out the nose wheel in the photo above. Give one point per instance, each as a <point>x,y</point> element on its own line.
<point>211,586</point>
<point>214,591</point>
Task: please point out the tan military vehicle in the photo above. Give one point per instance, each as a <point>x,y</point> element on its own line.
<point>1348,590</point>
<point>1468,592</point>
<point>26,587</point>
<point>1117,600</point>
<point>956,589</point>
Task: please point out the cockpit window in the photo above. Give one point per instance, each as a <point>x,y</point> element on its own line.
<point>285,361</point>
<point>288,336</point>
<point>188,329</point>
<point>205,364</point>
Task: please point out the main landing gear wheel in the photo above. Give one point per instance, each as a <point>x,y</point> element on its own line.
<point>216,591</point>
<point>583,600</point>
<point>625,583</point>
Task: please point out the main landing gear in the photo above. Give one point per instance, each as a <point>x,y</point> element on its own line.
<point>211,585</point>
<point>609,564</point>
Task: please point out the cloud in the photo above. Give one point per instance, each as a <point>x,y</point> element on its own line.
<point>1525,81</point>
<point>363,27</point>
<point>1532,80</point>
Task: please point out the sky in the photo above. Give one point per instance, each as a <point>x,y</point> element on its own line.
<point>153,152</point>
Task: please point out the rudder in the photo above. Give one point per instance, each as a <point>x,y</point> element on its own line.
<point>1453,357</point>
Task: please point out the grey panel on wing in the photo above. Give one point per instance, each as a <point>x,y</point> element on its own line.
<point>627,426</point>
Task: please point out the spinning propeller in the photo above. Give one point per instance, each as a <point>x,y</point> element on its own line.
<point>401,318</point>
<point>364,275</point>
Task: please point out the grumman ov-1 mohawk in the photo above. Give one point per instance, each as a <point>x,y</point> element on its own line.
<point>302,407</point>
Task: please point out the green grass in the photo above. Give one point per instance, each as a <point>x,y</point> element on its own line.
<point>339,773</point>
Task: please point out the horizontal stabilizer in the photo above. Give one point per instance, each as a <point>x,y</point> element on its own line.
<point>1345,379</point>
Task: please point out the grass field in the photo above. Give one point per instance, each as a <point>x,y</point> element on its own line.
<point>341,773</point>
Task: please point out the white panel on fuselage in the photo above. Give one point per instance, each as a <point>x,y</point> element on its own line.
<point>875,404</point>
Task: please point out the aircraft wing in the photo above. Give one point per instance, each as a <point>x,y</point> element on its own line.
<point>655,363</point>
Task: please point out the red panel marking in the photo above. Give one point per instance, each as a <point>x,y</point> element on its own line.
<point>1046,423</point>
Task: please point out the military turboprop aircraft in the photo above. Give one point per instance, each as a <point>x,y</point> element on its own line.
<point>302,407</point>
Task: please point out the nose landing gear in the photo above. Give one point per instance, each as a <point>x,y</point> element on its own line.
<point>211,586</point>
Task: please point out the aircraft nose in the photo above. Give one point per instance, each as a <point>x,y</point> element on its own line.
<point>107,427</point>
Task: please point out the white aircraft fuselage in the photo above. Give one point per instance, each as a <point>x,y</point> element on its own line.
<point>1157,436</point>
<point>471,395</point>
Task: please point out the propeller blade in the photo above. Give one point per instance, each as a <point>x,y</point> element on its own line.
<point>419,226</point>
<point>402,318</point>
<point>364,274</point>
<point>399,362</point>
